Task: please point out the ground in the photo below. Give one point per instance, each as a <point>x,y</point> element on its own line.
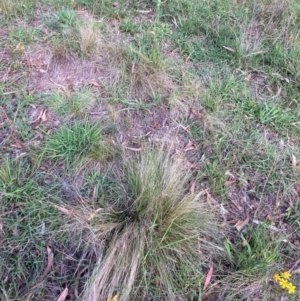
<point>90,90</point>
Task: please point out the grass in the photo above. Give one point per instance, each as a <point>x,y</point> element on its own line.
<point>71,104</point>
<point>78,142</point>
<point>24,35</point>
<point>11,9</point>
<point>72,32</point>
<point>252,255</point>
<point>255,251</point>
<point>166,148</point>
<point>154,223</point>
<point>26,221</point>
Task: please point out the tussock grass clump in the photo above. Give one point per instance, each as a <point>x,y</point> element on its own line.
<point>150,234</point>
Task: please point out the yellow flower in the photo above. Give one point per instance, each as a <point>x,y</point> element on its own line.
<point>291,288</point>
<point>286,275</point>
<point>276,277</point>
<point>283,281</point>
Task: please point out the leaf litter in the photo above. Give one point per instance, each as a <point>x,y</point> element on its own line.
<point>50,262</point>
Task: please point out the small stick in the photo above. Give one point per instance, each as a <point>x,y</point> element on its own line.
<point>294,265</point>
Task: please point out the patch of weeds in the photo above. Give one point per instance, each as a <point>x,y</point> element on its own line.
<point>21,219</point>
<point>214,174</point>
<point>280,51</point>
<point>268,114</point>
<point>148,48</point>
<point>74,104</point>
<point>103,152</point>
<point>159,229</point>
<point>101,186</point>
<point>60,48</point>
<point>86,38</point>
<point>256,250</point>
<point>139,104</point>
<point>238,146</point>
<point>163,31</point>
<point>244,36</point>
<point>16,109</point>
<point>74,143</point>
<point>293,217</point>
<point>129,26</point>
<point>18,77</point>
<point>222,87</point>
<point>25,130</point>
<point>25,35</point>
<point>225,89</point>
<point>146,69</point>
<point>258,253</point>
<point>202,29</point>
<point>115,93</point>
<point>63,19</point>
<point>141,66</point>
<point>13,180</point>
<point>139,73</point>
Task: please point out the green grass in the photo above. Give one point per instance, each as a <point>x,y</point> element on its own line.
<point>182,125</point>
<point>129,26</point>
<point>71,104</point>
<point>25,218</point>
<point>25,35</point>
<point>72,33</point>
<point>77,142</point>
<point>255,251</point>
<point>11,9</point>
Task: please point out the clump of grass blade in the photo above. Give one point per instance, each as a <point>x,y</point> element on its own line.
<point>153,228</point>
<point>75,142</point>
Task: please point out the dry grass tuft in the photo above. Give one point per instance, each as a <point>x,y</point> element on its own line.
<point>7,7</point>
<point>188,94</point>
<point>146,80</point>
<point>144,74</point>
<point>87,39</point>
<point>152,229</point>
